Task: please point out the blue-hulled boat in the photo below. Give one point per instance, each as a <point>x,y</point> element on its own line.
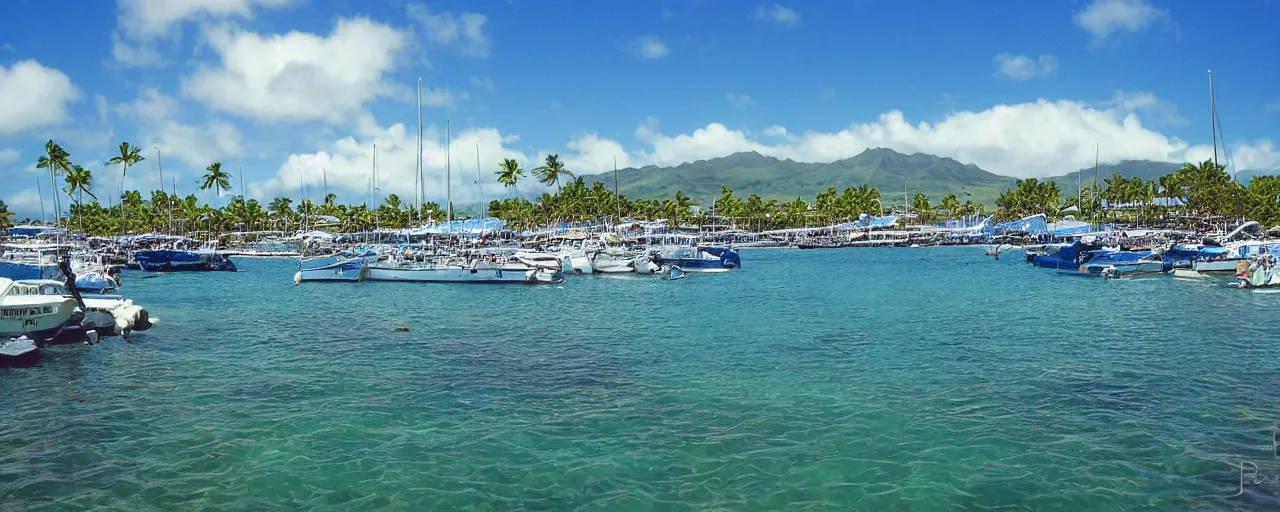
<point>174,260</point>
<point>1108,263</point>
<point>698,259</point>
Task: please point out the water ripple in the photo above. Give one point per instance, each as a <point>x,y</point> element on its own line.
<point>812,380</point>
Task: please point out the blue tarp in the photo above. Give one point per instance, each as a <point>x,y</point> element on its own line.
<point>1032,225</point>
<point>28,230</point>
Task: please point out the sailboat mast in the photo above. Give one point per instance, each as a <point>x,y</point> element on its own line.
<point>1213,116</point>
<point>374,203</point>
<point>1092,193</point>
<point>448,176</point>
<point>479,187</point>
<point>44,218</point>
<point>417,179</point>
<point>617,199</point>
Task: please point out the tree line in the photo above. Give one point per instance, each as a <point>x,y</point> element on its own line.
<point>1196,191</point>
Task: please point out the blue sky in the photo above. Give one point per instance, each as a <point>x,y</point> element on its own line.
<point>299,91</point>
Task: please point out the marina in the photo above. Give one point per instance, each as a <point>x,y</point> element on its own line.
<point>275,255</point>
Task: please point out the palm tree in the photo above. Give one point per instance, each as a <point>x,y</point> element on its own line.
<point>129,156</point>
<point>216,178</point>
<point>509,174</point>
<point>78,182</point>
<point>551,172</point>
<point>57,161</point>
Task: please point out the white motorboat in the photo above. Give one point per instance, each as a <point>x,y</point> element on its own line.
<point>26,310</point>
<point>331,268</point>
<point>460,271</point>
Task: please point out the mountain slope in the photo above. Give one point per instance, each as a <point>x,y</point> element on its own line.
<point>771,178</point>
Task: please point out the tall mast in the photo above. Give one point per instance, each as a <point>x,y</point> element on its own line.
<point>480,187</point>
<point>44,218</point>
<point>448,176</point>
<point>324,177</point>
<point>418,178</point>
<point>1095,173</point>
<point>617,199</point>
<point>374,203</point>
<point>1213,116</point>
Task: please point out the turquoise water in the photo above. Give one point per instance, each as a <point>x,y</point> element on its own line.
<point>871,379</point>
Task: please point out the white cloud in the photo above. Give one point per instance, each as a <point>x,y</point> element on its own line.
<point>1102,18</point>
<point>1157,110</point>
<point>33,96</point>
<point>347,165</point>
<point>146,19</point>
<point>1037,139</point>
<point>485,83</point>
<point>778,14</point>
<point>647,130</point>
<point>139,54</point>
<point>195,145</point>
<point>1261,155</point>
<point>446,28</point>
<point>26,202</point>
<point>1021,67</point>
<point>775,131</point>
<point>298,77</point>
<point>739,100</point>
<point>1043,138</point>
<point>141,22</point>
<point>9,155</point>
<point>649,47</point>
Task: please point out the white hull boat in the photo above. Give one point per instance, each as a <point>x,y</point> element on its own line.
<point>25,310</point>
<point>331,268</point>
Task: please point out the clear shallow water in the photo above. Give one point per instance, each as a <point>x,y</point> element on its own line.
<point>873,379</point>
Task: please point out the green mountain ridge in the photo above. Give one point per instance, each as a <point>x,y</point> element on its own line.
<point>771,178</point>
<point>888,170</point>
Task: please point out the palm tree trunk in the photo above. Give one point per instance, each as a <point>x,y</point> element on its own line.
<point>80,205</point>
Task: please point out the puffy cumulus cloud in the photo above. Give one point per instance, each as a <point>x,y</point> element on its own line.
<point>298,77</point>
<point>1021,67</point>
<point>144,19</point>
<point>465,31</point>
<point>1044,138</point>
<point>648,47</point>
<point>1261,155</point>
<point>590,154</point>
<point>141,22</point>
<point>33,96</point>
<point>775,131</point>
<point>1037,139</point>
<point>197,146</point>
<point>784,16</point>
<point>715,140</point>
<point>1102,18</point>
<point>347,164</point>
<point>1158,110</point>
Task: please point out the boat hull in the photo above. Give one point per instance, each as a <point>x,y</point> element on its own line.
<point>40,322</point>
<point>451,275</point>
<point>343,270</point>
<point>166,260</point>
